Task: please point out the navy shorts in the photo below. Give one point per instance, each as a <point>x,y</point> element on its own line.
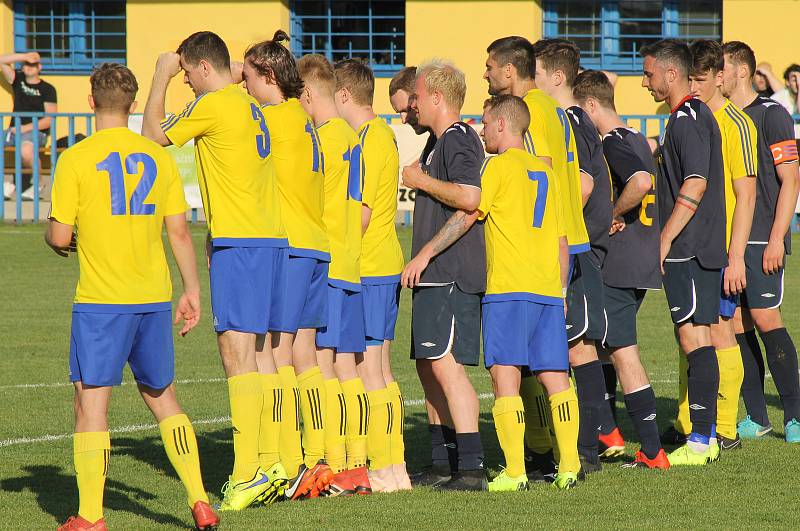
<point>622,305</point>
<point>524,333</point>
<point>381,299</point>
<point>763,291</point>
<point>345,329</point>
<point>102,343</point>
<point>304,295</point>
<point>246,285</point>
<point>586,315</point>
<point>692,292</point>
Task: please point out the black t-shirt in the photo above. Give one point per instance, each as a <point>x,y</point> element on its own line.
<point>456,157</point>
<point>632,260</point>
<point>597,211</point>
<point>775,126</point>
<point>31,98</point>
<point>692,148</point>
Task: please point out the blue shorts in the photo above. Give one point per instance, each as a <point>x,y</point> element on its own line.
<point>727,303</point>
<point>244,287</point>
<point>381,300</point>
<point>345,329</point>
<point>10,140</point>
<point>304,296</point>
<point>101,344</point>
<point>526,334</point>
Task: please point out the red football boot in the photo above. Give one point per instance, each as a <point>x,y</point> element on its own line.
<point>642,461</point>
<point>204,516</point>
<point>340,485</point>
<point>611,445</point>
<point>359,478</point>
<point>78,523</point>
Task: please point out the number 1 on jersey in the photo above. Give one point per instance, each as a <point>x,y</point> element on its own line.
<point>540,178</point>
<point>113,165</point>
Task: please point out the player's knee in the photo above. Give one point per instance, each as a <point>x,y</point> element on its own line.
<point>767,320</point>
<point>722,334</point>
<point>26,152</point>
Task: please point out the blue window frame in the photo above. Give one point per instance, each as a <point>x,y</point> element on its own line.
<point>373,30</point>
<point>610,33</point>
<point>71,37</point>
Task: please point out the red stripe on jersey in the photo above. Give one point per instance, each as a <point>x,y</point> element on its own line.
<point>785,151</point>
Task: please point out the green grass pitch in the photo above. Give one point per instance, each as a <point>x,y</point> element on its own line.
<point>752,488</point>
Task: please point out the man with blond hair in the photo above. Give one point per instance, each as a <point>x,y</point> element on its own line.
<point>447,271</point>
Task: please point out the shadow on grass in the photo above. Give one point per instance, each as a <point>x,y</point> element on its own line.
<point>57,494</point>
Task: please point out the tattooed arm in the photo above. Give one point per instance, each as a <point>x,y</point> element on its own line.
<point>458,225</point>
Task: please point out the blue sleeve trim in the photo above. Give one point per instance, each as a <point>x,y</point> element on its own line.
<point>86,307</point>
<point>343,284</point>
<point>523,296</point>
<point>377,281</point>
<point>250,242</point>
<point>579,248</point>
<point>322,256</point>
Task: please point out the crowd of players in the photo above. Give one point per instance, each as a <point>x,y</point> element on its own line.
<point>548,247</point>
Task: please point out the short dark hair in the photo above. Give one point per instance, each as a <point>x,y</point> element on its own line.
<point>515,50</point>
<point>512,108</point>
<point>706,56</point>
<point>671,51</point>
<point>114,87</point>
<point>357,77</point>
<point>274,61</point>
<point>740,54</point>
<point>559,54</point>
<point>794,67</point>
<point>317,71</point>
<point>594,84</point>
<point>405,79</point>
<point>207,46</point>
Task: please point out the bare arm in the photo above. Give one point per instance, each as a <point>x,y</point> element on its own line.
<point>7,63</point>
<point>460,196</point>
<point>458,225</point>
<point>44,123</point>
<point>167,66</point>
<point>784,212</point>
<point>689,196</point>
<point>236,71</point>
<point>366,216</point>
<point>766,70</point>
<point>180,240</point>
<point>633,193</point>
<point>563,261</point>
<point>745,189</point>
<point>587,185</point>
<point>60,238</point>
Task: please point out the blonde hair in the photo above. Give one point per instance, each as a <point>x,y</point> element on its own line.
<point>316,70</point>
<point>445,78</point>
<point>356,77</point>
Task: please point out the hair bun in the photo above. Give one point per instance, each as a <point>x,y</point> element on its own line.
<point>280,36</point>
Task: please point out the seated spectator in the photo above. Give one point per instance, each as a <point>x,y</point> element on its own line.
<point>31,94</point>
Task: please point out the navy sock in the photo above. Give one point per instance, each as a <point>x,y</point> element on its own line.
<point>753,383</point>
<point>782,360</point>
<point>470,451</point>
<point>438,447</point>
<point>641,406</point>
<point>703,389</point>
<point>452,446</point>
<point>608,413</point>
<point>590,387</point>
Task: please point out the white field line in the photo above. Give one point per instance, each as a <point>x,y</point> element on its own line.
<point>69,384</point>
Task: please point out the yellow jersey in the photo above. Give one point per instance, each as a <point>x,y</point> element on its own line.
<point>381,256</point>
<point>524,222</point>
<point>739,154</point>
<point>117,187</point>
<point>550,135</point>
<point>234,167</point>
<point>344,167</point>
<point>299,166</point>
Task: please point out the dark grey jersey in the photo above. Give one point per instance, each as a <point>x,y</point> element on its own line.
<point>692,148</point>
<point>632,260</point>
<point>776,145</point>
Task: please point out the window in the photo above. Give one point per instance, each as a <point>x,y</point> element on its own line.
<point>373,30</point>
<point>610,33</point>
<point>71,37</point>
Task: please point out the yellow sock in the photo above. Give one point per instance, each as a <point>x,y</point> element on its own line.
<point>355,398</point>
<point>537,431</point>
<point>564,408</point>
<point>682,422</point>
<point>270,432</point>
<point>509,421</point>
<point>180,444</point>
<point>731,374</point>
<point>398,447</point>
<point>379,429</point>
<point>312,406</point>
<point>246,398</point>
<point>291,450</point>
<point>335,431</point>
<point>91,452</point>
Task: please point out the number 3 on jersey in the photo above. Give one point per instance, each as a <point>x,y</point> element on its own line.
<point>113,165</point>
<point>540,178</point>
<point>262,140</point>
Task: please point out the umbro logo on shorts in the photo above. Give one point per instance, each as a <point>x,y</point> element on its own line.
<point>696,407</point>
<point>569,326</point>
<point>428,344</point>
<point>768,295</point>
<point>652,416</point>
<point>675,308</point>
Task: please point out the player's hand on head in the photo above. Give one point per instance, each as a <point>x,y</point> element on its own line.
<point>32,57</point>
<point>413,270</point>
<point>734,279</point>
<point>169,63</point>
<point>188,310</point>
<point>773,257</point>
<point>236,71</point>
